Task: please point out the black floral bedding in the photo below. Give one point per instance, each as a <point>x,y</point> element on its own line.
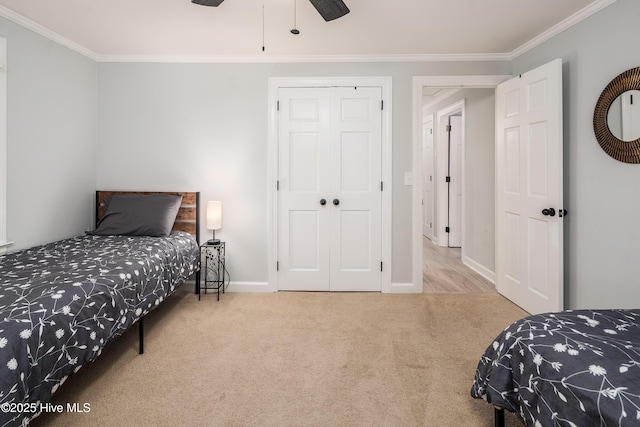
<point>572,368</point>
<point>61,303</point>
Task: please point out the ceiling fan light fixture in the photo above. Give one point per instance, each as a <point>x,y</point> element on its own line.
<point>213,3</point>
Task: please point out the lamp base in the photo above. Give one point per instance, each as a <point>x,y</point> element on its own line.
<point>213,242</point>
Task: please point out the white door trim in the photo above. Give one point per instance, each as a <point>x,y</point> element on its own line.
<point>490,81</point>
<point>385,83</point>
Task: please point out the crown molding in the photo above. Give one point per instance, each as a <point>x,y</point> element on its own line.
<point>45,32</point>
<point>569,22</point>
<point>270,59</point>
<point>536,41</point>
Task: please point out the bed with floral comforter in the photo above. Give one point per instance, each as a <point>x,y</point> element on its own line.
<point>61,303</point>
<point>571,368</point>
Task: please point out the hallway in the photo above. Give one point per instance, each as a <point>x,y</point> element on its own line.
<point>443,271</point>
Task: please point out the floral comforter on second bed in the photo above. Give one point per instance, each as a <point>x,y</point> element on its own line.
<point>571,368</point>
<point>62,302</point>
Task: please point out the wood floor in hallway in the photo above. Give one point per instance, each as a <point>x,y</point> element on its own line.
<point>443,271</point>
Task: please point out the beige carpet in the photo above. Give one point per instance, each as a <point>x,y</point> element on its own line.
<point>295,359</point>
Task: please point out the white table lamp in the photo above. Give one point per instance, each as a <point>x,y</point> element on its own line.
<point>214,220</point>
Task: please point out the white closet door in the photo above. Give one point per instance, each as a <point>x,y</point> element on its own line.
<point>303,223</point>
<point>355,177</point>
<point>329,198</point>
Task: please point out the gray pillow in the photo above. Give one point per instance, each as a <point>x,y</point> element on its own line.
<point>139,215</point>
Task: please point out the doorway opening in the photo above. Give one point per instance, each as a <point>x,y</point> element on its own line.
<point>444,262</point>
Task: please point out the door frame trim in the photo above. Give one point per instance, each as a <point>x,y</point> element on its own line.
<point>275,83</point>
<point>488,81</point>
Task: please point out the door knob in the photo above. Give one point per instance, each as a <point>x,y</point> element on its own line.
<point>549,212</point>
<point>323,202</point>
<point>336,202</point>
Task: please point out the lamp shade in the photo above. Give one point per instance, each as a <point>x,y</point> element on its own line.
<point>214,215</point>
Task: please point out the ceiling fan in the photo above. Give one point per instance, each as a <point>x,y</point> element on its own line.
<point>328,9</point>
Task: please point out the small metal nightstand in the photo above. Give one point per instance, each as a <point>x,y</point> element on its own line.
<point>214,268</point>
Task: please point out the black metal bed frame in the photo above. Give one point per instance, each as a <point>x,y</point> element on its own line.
<point>498,417</point>
<point>197,236</point>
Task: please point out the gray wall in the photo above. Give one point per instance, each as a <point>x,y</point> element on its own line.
<point>480,177</point>
<point>602,231</point>
<point>51,137</point>
<point>204,127</point>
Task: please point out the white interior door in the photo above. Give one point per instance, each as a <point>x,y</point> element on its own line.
<point>529,244</point>
<point>355,181</point>
<point>449,188</point>
<point>427,178</point>
<point>329,197</point>
<point>455,181</point>
<point>303,181</point>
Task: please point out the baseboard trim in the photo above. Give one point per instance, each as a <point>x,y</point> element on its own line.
<point>480,269</point>
<point>395,288</point>
<point>403,288</point>
<point>249,287</point>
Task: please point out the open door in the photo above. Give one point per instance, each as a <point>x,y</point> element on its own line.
<point>454,183</point>
<point>529,214</point>
<point>427,178</point>
<point>449,174</point>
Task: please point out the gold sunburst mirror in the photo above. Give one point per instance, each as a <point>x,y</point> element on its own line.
<point>616,119</point>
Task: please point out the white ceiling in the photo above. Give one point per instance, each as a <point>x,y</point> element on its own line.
<point>112,28</point>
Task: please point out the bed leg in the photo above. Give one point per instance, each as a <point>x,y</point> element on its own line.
<point>498,417</point>
<point>141,335</point>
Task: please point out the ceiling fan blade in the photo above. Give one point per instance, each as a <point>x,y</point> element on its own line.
<point>330,9</point>
<point>214,3</point>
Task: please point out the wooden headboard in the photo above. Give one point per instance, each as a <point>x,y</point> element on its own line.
<point>188,218</point>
